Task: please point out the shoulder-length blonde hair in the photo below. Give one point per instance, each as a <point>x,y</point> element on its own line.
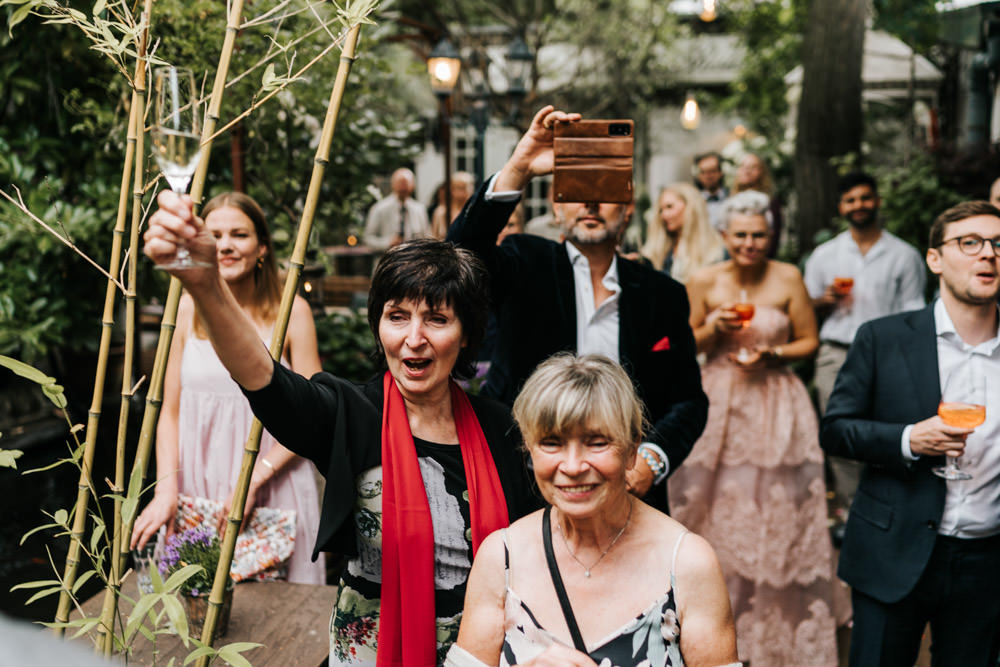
<point>766,182</point>
<point>567,393</point>
<point>267,282</point>
<point>698,244</point>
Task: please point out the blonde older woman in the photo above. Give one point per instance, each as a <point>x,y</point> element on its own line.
<point>545,584</point>
<point>680,239</point>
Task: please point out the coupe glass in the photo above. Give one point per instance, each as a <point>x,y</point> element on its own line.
<point>963,404</point>
<point>176,137</point>
<point>744,313</point>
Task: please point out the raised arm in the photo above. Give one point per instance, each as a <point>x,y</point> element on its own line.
<point>233,335</point>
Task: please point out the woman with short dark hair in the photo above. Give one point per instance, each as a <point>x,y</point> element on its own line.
<point>418,473</point>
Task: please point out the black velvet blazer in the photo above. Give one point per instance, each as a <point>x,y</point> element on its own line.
<point>338,426</point>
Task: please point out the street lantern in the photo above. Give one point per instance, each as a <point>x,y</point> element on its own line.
<point>443,66</point>
<point>519,62</point>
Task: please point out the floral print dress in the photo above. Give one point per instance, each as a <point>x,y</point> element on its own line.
<point>354,624</point>
<point>651,639</point>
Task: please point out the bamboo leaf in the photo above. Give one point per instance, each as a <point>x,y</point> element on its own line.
<point>95,537</point>
<point>138,615</point>
<point>61,517</point>
<point>267,81</point>
<point>35,584</point>
<point>99,7</point>
<point>18,16</point>
<point>146,632</point>
<point>9,457</point>
<point>82,579</point>
<point>233,657</point>
<point>87,626</point>
<point>178,619</point>
<point>54,392</point>
<point>182,575</point>
<point>44,594</point>
<point>194,655</point>
<point>23,369</point>
<point>35,530</point>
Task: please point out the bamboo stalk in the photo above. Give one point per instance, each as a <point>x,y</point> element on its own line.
<point>110,608</point>
<point>84,486</point>
<point>278,338</point>
<point>154,394</point>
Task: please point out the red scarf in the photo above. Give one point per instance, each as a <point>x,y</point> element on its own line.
<point>408,579</point>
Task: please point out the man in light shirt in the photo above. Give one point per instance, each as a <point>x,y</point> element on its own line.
<point>398,217</point>
<point>918,548</point>
<point>708,176</point>
<point>887,276</point>
<point>579,296</point>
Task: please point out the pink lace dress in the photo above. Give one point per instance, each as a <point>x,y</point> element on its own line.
<point>213,425</point>
<point>753,487</point>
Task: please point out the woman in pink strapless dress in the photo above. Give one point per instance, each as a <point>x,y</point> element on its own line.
<point>753,484</point>
<point>205,419</point>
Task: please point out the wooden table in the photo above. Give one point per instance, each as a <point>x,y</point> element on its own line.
<point>291,621</point>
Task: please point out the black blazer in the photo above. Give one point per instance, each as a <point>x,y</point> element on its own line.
<point>337,425</point>
<point>890,380</point>
<point>535,303</point>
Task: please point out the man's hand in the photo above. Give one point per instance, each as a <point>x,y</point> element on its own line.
<point>533,155</point>
<point>932,437</point>
<point>639,479</point>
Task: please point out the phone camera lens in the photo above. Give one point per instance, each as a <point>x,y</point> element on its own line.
<point>619,130</point>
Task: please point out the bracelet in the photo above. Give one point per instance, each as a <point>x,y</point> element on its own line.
<point>274,471</point>
<point>655,464</point>
<point>777,352</point>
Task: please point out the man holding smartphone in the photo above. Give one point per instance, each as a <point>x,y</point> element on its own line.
<point>580,296</point>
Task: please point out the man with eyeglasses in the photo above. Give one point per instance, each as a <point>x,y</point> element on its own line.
<point>862,273</point>
<point>919,548</point>
<point>708,177</point>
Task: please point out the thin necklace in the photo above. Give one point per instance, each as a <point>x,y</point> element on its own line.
<point>586,570</point>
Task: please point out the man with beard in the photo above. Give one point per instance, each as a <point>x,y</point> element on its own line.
<point>918,548</point>
<point>862,273</point>
<point>579,296</point>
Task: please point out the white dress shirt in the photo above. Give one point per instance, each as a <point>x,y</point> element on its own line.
<point>971,507</point>
<point>888,279</point>
<point>596,325</point>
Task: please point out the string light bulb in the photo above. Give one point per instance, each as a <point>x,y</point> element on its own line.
<point>690,113</point>
<point>708,11</point>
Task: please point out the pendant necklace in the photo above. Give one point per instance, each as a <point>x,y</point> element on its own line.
<point>586,570</point>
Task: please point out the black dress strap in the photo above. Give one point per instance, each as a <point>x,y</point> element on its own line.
<point>557,582</point>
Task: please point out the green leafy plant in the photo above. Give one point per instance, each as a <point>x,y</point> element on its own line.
<point>346,345</point>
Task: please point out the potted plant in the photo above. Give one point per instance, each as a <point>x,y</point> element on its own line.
<point>197,546</point>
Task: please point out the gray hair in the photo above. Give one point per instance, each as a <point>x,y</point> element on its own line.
<point>567,393</point>
<point>748,202</point>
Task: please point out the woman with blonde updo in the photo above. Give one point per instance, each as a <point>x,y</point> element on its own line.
<point>680,237</point>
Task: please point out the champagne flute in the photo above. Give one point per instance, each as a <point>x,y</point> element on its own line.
<point>176,137</point>
<point>744,313</point>
<point>963,404</point>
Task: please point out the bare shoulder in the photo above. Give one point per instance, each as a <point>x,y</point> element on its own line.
<point>706,276</point>
<point>185,314</point>
<point>785,271</point>
<point>696,558</point>
<point>301,307</point>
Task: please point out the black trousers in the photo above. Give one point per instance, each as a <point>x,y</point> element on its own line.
<point>958,594</point>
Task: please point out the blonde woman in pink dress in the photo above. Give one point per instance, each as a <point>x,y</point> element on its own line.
<point>205,419</point>
<point>753,484</point>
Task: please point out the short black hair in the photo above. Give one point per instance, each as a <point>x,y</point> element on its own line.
<point>957,213</point>
<point>438,273</point>
<point>853,179</point>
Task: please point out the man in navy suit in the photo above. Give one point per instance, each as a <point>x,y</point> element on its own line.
<point>580,296</point>
<point>918,548</point>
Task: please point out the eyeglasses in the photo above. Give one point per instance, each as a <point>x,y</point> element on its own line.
<point>973,243</point>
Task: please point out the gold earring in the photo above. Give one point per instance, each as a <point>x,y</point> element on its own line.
<point>260,262</point>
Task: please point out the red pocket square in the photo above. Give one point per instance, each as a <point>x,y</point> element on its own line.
<point>662,344</point>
